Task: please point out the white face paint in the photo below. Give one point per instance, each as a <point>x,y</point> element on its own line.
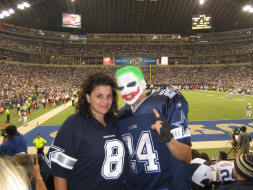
<point>129,87</point>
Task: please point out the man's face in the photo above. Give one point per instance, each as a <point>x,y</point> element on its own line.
<point>129,88</point>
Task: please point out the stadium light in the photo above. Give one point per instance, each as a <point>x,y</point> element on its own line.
<point>11,11</point>
<point>1,16</point>
<point>246,8</point>
<point>201,2</point>
<point>23,5</point>
<point>5,13</point>
<point>20,6</point>
<point>27,5</point>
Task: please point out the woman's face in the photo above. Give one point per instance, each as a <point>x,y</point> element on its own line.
<point>100,100</point>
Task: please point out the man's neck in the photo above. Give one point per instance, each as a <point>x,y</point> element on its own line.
<point>141,98</point>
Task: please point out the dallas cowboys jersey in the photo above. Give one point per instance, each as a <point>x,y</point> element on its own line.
<point>89,155</point>
<point>224,171</point>
<point>151,165</point>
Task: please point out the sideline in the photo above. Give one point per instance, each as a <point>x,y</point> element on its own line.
<point>41,119</point>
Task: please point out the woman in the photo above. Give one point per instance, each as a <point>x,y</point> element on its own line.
<point>88,152</point>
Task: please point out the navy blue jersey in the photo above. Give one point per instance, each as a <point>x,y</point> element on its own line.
<point>89,155</point>
<point>151,165</point>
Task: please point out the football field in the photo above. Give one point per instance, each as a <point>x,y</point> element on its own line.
<point>202,107</point>
<point>211,116</point>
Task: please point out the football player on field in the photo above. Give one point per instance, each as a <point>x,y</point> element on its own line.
<point>154,128</point>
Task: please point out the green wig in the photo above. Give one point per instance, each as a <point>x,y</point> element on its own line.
<point>130,69</point>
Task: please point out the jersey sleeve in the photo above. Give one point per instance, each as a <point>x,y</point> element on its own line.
<point>177,114</point>
<point>62,155</point>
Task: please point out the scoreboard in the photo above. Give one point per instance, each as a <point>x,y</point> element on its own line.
<point>71,20</point>
<point>201,22</point>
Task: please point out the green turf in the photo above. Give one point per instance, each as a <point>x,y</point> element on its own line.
<point>213,106</point>
<point>14,115</point>
<point>59,118</point>
<point>210,106</point>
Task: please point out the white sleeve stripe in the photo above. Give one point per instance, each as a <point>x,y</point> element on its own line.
<point>179,133</point>
<point>63,160</point>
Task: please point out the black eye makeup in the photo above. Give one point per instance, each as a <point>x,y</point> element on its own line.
<point>131,84</point>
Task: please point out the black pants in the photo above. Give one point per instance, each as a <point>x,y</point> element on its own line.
<point>40,151</point>
<point>8,118</point>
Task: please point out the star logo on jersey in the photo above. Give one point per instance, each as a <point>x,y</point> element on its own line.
<point>51,154</point>
<point>179,132</point>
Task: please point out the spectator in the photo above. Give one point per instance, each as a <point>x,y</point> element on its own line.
<point>92,154</point>
<point>142,128</point>
<point>12,175</point>
<point>32,168</point>
<point>201,176</point>
<point>195,154</point>
<point>243,172</point>
<point>15,142</point>
<point>205,156</point>
<point>223,169</point>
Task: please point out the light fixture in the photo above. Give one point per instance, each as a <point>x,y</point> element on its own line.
<point>11,11</point>
<point>246,8</point>
<point>27,5</point>
<point>5,13</point>
<point>23,5</point>
<point>20,6</point>
<point>201,2</point>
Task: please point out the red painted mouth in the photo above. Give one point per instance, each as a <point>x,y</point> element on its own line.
<point>130,96</point>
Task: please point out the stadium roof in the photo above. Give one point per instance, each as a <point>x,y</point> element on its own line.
<point>129,16</point>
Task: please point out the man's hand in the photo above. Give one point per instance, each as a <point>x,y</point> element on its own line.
<point>162,128</point>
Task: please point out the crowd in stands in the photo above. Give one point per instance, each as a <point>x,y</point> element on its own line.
<point>19,81</point>
<point>231,77</point>
<point>179,49</point>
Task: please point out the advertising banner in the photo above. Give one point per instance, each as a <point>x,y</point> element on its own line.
<point>135,60</point>
<point>164,60</point>
<point>107,61</point>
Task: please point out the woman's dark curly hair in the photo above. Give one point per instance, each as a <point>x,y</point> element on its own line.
<point>89,83</point>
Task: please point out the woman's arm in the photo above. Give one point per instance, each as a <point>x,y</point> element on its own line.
<point>60,183</point>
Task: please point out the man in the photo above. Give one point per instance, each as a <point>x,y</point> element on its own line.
<point>15,142</point>
<point>244,140</point>
<point>39,143</point>
<point>249,110</point>
<point>223,169</point>
<point>7,115</point>
<point>24,114</point>
<point>243,172</point>
<point>157,156</point>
